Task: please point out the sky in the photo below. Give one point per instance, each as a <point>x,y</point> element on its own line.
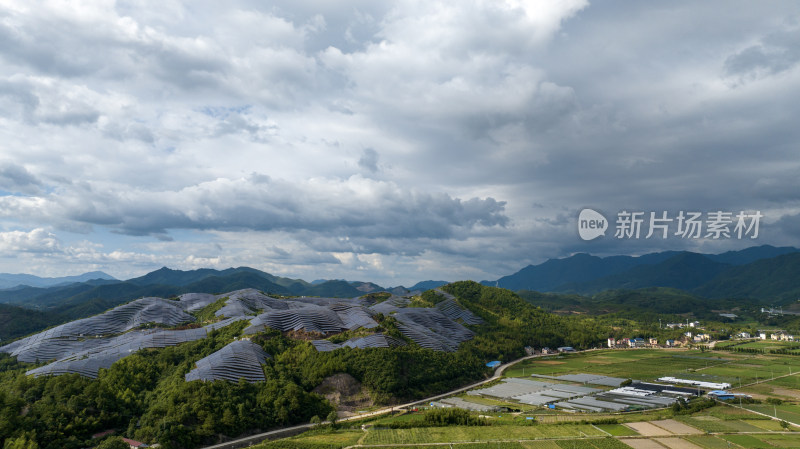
<point>390,142</point>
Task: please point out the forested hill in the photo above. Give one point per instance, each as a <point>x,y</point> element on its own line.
<point>146,396</point>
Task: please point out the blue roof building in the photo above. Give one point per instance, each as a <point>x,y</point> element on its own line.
<point>722,395</point>
<point>493,364</point>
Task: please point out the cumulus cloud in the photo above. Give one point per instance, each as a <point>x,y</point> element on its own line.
<point>35,241</point>
<point>361,138</point>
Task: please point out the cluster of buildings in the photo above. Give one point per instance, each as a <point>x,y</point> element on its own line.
<point>682,325</point>
<point>775,335</point>
<point>637,342</point>
<point>530,350</point>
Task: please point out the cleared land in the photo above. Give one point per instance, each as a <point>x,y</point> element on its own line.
<point>647,429</point>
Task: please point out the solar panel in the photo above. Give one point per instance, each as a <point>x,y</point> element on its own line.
<point>370,341</point>
<point>241,359</point>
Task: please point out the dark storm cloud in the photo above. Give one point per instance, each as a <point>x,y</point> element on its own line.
<point>18,179</point>
<point>356,207</point>
<point>463,135</point>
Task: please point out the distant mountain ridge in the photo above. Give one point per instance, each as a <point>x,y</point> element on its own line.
<point>97,295</point>
<point>762,272</point>
<point>9,280</point>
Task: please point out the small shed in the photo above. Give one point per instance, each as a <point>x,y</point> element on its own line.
<point>494,364</point>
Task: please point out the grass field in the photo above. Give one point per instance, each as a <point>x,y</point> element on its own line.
<point>770,344</point>
<point>467,434</point>
<point>342,438</point>
<point>787,412</point>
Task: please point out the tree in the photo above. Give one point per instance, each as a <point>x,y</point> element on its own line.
<point>332,417</point>
<point>22,442</point>
<point>784,424</point>
<point>113,443</point>
<point>315,421</point>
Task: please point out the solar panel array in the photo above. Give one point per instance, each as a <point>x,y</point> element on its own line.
<point>310,319</point>
<point>432,329</point>
<point>451,309</point>
<point>392,304</point>
<point>241,359</point>
<point>103,352</point>
<point>370,341</point>
<point>83,334</point>
<point>85,346</point>
<point>195,301</point>
<point>249,302</point>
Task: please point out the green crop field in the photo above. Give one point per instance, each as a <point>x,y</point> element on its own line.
<point>481,433</point>
<point>788,441</point>
<point>342,437</point>
<point>617,430</point>
<point>770,344</point>
<point>708,441</point>
<point>544,444</point>
<point>650,364</point>
<point>748,441</point>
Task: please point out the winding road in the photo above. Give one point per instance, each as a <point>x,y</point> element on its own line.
<point>294,430</point>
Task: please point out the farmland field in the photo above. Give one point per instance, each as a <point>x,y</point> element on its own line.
<point>663,428</point>
<point>617,430</point>
<point>790,413</point>
<point>490,433</point>
<point>650,364</point>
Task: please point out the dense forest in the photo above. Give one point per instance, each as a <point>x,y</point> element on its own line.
<point>144,396</point>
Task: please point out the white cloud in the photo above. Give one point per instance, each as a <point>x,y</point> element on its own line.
<point>376,138</point>
<point>34,241</point>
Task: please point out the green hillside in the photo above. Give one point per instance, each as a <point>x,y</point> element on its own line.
<point>776,280</point>
<point>144,396</point>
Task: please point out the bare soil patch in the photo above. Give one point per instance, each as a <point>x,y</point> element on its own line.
<point>344,391</point>
<point>648,430</point>
<point>786,392</point>
<point>675,426</point>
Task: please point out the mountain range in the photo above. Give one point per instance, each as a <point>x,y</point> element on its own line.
<point>8,280</point>
<point>762,272</point>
